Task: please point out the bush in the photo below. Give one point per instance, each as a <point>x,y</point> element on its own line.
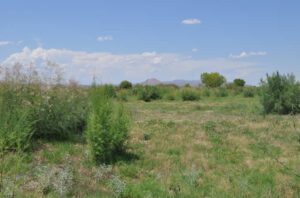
<point>206,92</point>
<point>280,94</point>
<point>109,90</point>
<point>222,92</point>
<point>60,113</point>
<point>148,93</point>
<point>122,95</point>
<point>239,82</point>
<point>171,96</point>
<point>16,126</point>
<point>212,79</point>
<point>107,127</point>
<point>188,94</point>
<point>249,92</point>
<point>125,85</point>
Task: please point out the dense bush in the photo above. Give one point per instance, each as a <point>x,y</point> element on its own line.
<point>280,94</point>
<point>16,125</point>
<point>221,92</point>
<point>171,96</point>
<point>125,85</point>
<point>123,95</point>
<point>109,90</point>
<point>239,82</point>
<point>206,92</point>
<point>107,127</point>
<point>189,94</point>
<point>148,93</point>
<point>249,92</point>
<point>212,79</point>
<point>61,112</point>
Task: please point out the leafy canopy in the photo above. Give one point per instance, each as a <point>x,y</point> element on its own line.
<point>213,79</point>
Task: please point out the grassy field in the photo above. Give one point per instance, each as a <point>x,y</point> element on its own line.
<point>215,147</point>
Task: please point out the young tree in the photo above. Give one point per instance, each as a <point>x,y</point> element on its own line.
<point>212,79</point>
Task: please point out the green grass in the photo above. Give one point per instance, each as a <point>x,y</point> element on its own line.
<point>214,147</point>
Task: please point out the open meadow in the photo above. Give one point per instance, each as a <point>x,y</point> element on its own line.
<point>149,99</point>
<point>214,147</point>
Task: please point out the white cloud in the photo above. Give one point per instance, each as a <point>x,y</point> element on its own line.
<point>112,68</point>
<point>3,43</point>
<point>105,38</point>
<point>191,21</point>
<point>248,54</point>
<point>195,50</point>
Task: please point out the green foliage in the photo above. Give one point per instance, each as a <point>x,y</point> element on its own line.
<point>109,90</point>
<point>239,82</point>
<point>206,92</point>
<point>249,92</point>
<point>16,126</point>
<point>189,94</point>
<point>221,92</point>
<point>125,85</point>
<point>280,94</point>
<point>148,93</point>
<point>122,95</point>
<point>213,79</point>
<point>171,96</point>
<point>60,112</point>
<point>107,127</point>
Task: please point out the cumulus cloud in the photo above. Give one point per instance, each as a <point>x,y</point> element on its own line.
<point>191,21</point>
<point>112,68</point>
<point>248,54</point>
<point>3,43</point>
<point>105,38</point>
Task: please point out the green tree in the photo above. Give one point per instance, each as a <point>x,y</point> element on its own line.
<point>213,79</point>
<point>239,82</point>
<point>125,85</point>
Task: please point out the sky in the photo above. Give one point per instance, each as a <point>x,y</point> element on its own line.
<point>115,40</point>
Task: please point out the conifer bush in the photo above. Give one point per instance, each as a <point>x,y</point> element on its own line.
<point>107,127</point>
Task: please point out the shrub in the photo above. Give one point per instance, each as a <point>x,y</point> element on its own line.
<point>213,79</point>
<point>171,96</point>
<point>222,92</point>
<point>122,95</point>
<point>17,98</point>
<point>239,82</point>
<point>109,90</point>
<point>107,127</point>
<point>188,94</point>
<point>148,93</point>
<point>125,85</point>
<point>280,94</point>
<point>248,92</point>
<point>206,92</point>
<point>16,125</point>
<point>61,112</point>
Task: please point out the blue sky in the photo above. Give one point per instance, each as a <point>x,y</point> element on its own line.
<point>166,39</point>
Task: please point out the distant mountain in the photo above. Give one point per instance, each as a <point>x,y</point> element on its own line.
<point>151,81</point>
<point>180,83</point>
